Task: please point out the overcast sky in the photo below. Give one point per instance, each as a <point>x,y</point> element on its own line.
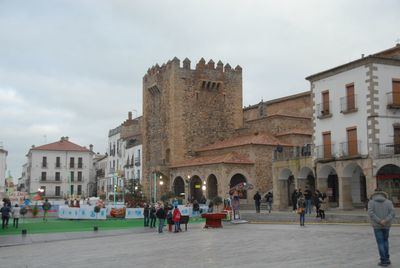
<point>74,68</point>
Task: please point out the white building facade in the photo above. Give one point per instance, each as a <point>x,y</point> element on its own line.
<point>3,168</point>
<point>61,169</point>
<point>357,128</point>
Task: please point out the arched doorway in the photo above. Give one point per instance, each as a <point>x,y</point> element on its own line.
<point>196,193</point>
<point>179,186</point>
<point>212,186</point>
<point>306,179</point>
<point>354,173</point>
<point>286,188</point>
<point>388,180</point>
<point>235,180</point>
<point>328,182</point>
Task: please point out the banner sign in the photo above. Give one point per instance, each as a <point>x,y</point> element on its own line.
<point>84,213</point>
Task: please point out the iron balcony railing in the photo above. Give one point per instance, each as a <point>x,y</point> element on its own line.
<point>324,109</point>
<point>326,151</point>
<point>350,148</point>
<point>387,149</point>
<point>348,104</point>
<point>50,180</point>
<point>393,100</point>
<point>288,153</point>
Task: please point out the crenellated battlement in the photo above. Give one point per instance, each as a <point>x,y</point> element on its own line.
<point>201,66</point>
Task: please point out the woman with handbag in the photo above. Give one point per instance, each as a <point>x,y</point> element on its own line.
<point>301,204</point>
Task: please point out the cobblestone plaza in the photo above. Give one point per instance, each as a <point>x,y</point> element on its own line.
<point>250,245</point>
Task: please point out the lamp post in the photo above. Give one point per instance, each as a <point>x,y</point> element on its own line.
<point>115,187</point>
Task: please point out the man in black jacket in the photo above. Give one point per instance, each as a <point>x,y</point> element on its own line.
<point>257,200</point>
<point>146,212</point>
<point>161,215</point>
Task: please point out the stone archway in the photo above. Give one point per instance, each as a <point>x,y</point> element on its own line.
<point>212,186</point>
<point>285,187</point>
<point>306,179</point>
<point>388,180</point>
<point>354,187</point>
<point>179,186</point>
<point>328,183</point>
<point>196,193</point>
<point>235,180</point>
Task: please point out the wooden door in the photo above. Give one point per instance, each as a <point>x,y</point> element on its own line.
<point>396,92</point>
<point>352,141</point>
<point>327,145</point>
<point>351,104</point>
<point>396,141</point>
<point>325,102</point>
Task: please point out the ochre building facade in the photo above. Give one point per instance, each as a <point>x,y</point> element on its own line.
<point>198,140</point>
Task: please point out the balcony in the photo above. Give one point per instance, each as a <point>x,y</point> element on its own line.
<point>386,149</point>
<point>350,149</point>
<point>393,100</point>
<point>323,110</point>
<point>137,161</point>
<point>50,180</point>
<point>325,152</point>
<point>348,104</point>
<point>289,153</point>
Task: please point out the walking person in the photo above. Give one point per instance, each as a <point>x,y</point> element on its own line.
<point>46,207</point>
<point>381,214</point>
<point>308,198</point>
<point>323,206</point>
<point>161,215</point>
<point>269,199</point>
<point>294,198</point>
<point>317,203</point>
<point>15,214</point>
<point>176,217</point>
<point>196,208</point>
<point>257,201</point>
<point>152,216</point>
<point>301,204</point>
<point>5,214</point>
<point>146,214</point>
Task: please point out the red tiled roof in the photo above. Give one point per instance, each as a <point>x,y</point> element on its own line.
<point>295,132</point>
<point>229,158</point>
<point>258,139</point>
<point>62,145</point>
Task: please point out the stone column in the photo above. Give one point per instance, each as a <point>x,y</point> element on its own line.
<point>345,199</point>
<point>283,199</point>
<point>322,184</point>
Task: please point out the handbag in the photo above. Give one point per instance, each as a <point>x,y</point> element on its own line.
<point>300,210</point>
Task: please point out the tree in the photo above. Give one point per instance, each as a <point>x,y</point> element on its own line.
<point>134,197</point>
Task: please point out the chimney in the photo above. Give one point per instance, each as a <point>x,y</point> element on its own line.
<point>91,147</point>
<point>129,115</point>
<point>362,56</point>
<point>66,138</point>
<point>62,138</point>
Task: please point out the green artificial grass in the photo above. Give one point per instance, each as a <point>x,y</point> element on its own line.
<point>37,225</point>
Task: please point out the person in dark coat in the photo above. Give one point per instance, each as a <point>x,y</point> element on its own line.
<point>317,197</point>
<point>269,198</point>
<point>161,215</point>
<point>257,201</point>
<point>196,208</point>
<point>301,204</point>
<point>152,217</point>
<point>294,198</point>
<point>5,214</point>
<point>308,199</point>
<point>146,214</point>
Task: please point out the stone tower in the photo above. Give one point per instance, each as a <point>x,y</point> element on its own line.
<point>184,109</point>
